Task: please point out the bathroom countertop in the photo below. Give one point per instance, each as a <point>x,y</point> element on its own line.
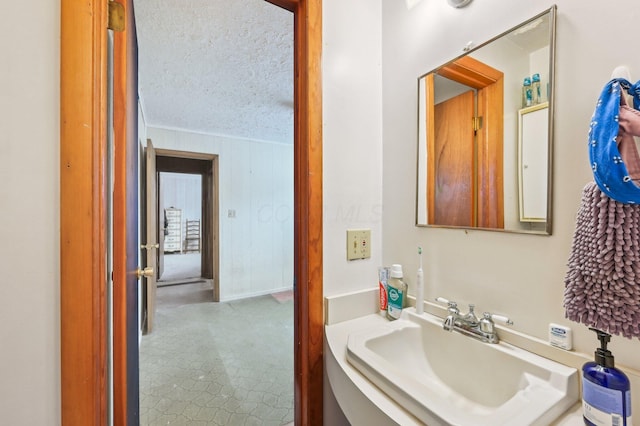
<point>367,404</point>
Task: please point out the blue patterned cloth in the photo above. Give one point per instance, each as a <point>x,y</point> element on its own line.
<point>609,170</point>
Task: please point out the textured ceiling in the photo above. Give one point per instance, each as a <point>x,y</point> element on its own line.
<point>217,66</point>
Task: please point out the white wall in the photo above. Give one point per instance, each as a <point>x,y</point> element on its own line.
<point>518,275</point>
<point>352,147</point>
<point>29,213</point>
<point>182,191</point>
<point>256,181</point>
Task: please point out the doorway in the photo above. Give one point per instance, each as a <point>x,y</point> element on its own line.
<point>180,219</point>
<point>159,220</point>
<point>187,209</point>
<point>187,187</point>
<point>83,159</point>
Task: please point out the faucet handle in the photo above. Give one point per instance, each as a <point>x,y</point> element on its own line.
<point>486,323</point>
<point>449,303</point>
<point>452,306</point>
<point>489,317</point>
<point>501,318</point>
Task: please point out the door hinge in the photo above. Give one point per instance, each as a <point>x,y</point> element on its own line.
<point>116,16</point>
<point>477,123</point>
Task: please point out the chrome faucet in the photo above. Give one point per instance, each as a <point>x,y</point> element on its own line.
<point>453,317</point>
<point>471,319</point>
<point>482,329</point>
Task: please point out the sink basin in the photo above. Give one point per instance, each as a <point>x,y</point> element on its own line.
<point>446,378</point>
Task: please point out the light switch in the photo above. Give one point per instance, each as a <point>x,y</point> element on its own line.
<point>358,244</point>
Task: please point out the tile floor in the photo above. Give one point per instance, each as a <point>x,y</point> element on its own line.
<point>211,363</point>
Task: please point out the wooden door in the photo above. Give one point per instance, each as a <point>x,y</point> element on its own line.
<point>152,244</point>
<point>125,223</point>
<point>454,160</point>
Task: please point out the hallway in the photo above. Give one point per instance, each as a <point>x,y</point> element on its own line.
<point>211,363</point>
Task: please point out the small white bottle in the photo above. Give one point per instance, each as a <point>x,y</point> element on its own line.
<point>397,291</point>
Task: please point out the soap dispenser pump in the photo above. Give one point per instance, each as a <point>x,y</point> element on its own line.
<point>606,394</point>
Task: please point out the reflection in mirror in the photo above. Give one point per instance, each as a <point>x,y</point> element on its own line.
<point>484,137</point>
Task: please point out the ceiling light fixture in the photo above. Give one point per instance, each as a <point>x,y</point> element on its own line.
<point>526,28</point>
<point>458,3</point>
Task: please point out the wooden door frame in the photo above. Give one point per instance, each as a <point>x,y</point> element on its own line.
<point>83,315</point>
<point>210,257</point>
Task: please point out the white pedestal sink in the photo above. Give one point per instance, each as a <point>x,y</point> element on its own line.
<point>446,378</point>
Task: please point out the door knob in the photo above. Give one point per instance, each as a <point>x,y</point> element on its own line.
<point>149,246</point>
<point>146,272</point>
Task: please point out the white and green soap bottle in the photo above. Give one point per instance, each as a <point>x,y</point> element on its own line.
<point>397,292</point>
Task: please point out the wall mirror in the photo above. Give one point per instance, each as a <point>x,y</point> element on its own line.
<point>485,135</point>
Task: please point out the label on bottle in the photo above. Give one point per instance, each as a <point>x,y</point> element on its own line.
<point>395,302</point>
<point>537,94</point>
<point>528,97</point>
<point>604,406</point>
<point>383,295</point>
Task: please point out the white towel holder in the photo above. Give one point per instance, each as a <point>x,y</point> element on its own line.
<point>621,71</point>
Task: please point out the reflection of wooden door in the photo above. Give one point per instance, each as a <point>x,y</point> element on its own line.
<point>454,161</point>
<point>488,189</point>
<point>152,244</point>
